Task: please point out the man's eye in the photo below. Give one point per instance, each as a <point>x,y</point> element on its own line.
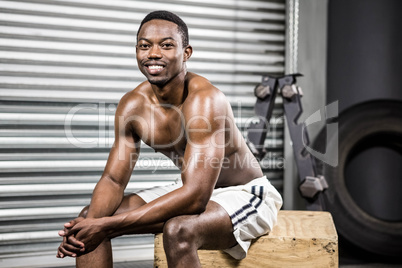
<point>167,45</point>
<point>143,46</point>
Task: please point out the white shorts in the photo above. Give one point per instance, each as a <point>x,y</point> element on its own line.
<point>253,209</point>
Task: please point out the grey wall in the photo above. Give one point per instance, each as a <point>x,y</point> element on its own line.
<point>349,51</point>
<point>312,63</point>
<point>364,51</point>
<point>365,63</point>
<point>312,57</point>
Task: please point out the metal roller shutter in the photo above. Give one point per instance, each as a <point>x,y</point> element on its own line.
<point>63,67</point>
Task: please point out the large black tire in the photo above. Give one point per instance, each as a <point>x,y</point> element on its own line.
<point>360,126</point>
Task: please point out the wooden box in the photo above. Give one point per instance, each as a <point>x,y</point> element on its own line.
<point>300,239</point>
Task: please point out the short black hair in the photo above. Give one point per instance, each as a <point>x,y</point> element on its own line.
<point>169,16</point>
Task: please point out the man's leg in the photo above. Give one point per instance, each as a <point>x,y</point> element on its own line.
<point>184,235</point>
<point>101,257</point>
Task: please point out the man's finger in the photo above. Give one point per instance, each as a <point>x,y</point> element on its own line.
<point>73,222</point>
<point>72,248</point>
<point>75,242</point>
<point>63,252</point>
<point>69,224</point>
<point>59,254</point>
<point>62,233</point>
<point>71,231</point>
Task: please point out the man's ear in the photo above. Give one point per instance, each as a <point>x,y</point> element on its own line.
<point>188,51</point>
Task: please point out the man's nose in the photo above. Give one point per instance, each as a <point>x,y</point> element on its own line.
<point>155,53</point>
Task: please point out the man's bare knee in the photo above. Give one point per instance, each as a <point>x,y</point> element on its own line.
<point>178,233</point>
<point>180,241</point>
<point>84,212</point>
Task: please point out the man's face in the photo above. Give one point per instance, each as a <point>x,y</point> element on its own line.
<point>160,53</point>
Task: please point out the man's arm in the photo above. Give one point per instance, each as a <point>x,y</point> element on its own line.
<point>109,191</point>
<point>202,164</point>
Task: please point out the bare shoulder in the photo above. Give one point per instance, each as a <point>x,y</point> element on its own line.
<point>133,102</point>
<point>203,95</point>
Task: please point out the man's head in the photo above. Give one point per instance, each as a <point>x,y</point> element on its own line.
<point>162,48</point>
<point>168,16</point>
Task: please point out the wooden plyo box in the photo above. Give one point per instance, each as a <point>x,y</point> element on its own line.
<point>300,239</point>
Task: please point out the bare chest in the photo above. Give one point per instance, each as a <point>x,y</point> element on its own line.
<point>163,131</point>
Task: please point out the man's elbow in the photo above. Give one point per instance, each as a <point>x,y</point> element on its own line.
<point>196,200</point>
<point>199,205</point>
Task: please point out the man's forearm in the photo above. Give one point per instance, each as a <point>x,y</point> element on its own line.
<point>106,198</point>
<point>147,217</point>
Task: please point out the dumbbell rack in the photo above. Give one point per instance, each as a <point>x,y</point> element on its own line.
<point>311,184</point>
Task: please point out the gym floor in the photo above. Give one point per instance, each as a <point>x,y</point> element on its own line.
<point>350,257</point>
<point>135,264</point>
<point>149,264</point>
<point>347,263</point>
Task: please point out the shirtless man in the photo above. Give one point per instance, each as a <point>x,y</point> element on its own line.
<point>223,200</point>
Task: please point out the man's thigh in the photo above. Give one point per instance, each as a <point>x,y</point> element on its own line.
<point>217,228</point>
<point>213,228</point>
<point>130,202</point>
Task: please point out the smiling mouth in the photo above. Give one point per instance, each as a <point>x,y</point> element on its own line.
<point>154,69</point>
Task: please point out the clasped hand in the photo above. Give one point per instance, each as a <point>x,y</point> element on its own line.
<point>80,236</point>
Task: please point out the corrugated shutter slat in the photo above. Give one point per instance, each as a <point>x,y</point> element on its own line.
<point>65,64</point>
